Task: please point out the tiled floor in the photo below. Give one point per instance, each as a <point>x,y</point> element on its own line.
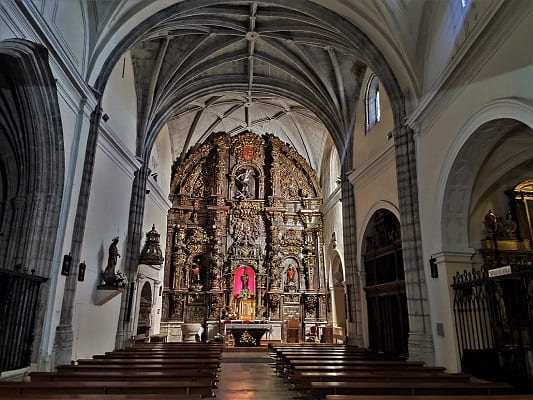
<point>247,376</point>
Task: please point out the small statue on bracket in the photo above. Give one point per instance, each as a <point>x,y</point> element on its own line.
<point>112,278</point>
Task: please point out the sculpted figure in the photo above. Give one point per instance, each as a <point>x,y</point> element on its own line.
<point>109,272</point>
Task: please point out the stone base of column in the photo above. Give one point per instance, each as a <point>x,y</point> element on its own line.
<point>354,335</point>
<point>123,339</point>
<point>421,348</point>
<point>62,350</point>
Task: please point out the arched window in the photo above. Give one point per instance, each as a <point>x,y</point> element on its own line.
<point>334,169</point>
<point>372,106</point>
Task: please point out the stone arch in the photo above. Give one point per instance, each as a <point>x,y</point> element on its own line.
<point>475,141</point>
<point>144,314</point>
<point>380,205</point>
<point>32,167</point>
<point>385,284</point>
<point>32,157</point>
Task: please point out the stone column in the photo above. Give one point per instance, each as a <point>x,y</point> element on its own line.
<point>62,351</point>
<point>448,264</point>
<point>133,248</point>
<point>420,338</point>
<point>355,322</point>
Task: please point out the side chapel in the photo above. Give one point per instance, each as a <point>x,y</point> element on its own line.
<point>244,238</point>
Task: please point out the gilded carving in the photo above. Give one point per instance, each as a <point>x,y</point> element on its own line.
<point>242,200</point>
<point>176,306</point>
<point>291,299</point>
<point>311,305</point>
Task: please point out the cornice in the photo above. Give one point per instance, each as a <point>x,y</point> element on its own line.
<point>361,176</point>
<point>159,197</point>
<point>117,151</point>
<point>332,200</point>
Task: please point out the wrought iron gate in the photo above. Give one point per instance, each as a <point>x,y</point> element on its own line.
<point>19,293</point>
<point>494,323</point>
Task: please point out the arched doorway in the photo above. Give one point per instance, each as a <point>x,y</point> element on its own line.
<point>339,292</point>
<point>31,189</point>
<point>388,323</point>
<point>486,206</point>
<point>144,321</point>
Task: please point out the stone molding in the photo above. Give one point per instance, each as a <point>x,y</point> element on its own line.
<point>159,197</point>
<point>373,167</point>
<point>117,151</point>
<point>331,201</point>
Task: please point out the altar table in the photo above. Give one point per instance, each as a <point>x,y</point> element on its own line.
<point>255,330</point>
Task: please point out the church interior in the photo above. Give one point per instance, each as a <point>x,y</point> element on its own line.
<point>340,184</point>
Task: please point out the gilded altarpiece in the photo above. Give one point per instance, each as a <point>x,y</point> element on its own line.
<point>244,234</point>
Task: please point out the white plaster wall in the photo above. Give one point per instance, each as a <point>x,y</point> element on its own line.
<point>75,124</point>
<point>161,159</point>
<point>75,132</point>
<point>374,176</point>
<point>95,326</point>
<point>507,74</point>
<point>367,145</point>
<point>450,28</point>
<point>68,23</point>
<point>120,104</point>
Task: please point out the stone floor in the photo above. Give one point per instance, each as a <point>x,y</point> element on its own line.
<point>248,376</point>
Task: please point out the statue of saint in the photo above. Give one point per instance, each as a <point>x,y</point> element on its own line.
<point>509,226</point>
<point>109,272</point>
<point>247,183</point>
<point>244,279</point>
<point>195,269</point>
<point>291,272</point>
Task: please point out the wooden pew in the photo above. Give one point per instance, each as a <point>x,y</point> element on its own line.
<point>55,396</point>
<point>142,367</point>
<point>16,389</point>
<point>204,362</point>
<point>321,389</point>
<point>207,377</point>
<point>432,397</point>
<point>158,372</point>
<point>379,376</point>
<point>166,354</point>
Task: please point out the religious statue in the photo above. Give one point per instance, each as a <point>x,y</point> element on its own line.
<point>244,292</point>
<point>509,227</point>
<point>247,184</point>
<point>291,272</point>
<point>109,272</point>
<point>195,281</point>
<point>195,269</point>
<point>244,279</point>
<point>112,278</point>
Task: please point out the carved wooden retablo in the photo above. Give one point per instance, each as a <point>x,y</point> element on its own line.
<point>244,233</point>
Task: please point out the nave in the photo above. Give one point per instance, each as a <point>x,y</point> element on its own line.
<point>179,371</point>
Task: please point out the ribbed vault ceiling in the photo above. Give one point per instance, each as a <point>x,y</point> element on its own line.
<point>247,66</point>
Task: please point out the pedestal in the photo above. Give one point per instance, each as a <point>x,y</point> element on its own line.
<point>189,332</point>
